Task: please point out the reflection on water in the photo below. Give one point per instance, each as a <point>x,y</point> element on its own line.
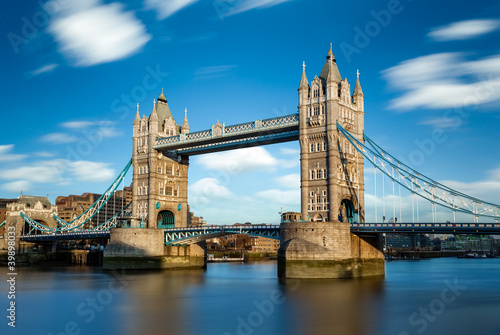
<point>248,299</point>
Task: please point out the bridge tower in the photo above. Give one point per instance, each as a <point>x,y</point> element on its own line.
<point>159,196</point>
<point>332,185</point>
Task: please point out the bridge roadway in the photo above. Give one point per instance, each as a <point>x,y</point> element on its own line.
<point>196,234</point>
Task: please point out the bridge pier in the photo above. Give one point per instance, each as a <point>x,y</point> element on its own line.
<point>328,250</point>
<point>136,248</point>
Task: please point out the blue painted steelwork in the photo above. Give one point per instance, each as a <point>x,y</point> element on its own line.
<point>111,223</point>
<point>420,185</point>
<point>222,137</point>
<point>197,234</point>
<point>241,143</point>
<point>40,238</point>
<point>428,228</point>
<point>1,224</point>
<point>87,214</point>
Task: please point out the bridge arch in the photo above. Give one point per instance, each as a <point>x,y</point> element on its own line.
<point>317,218</point>
<point>165,219</point>
<point>347,211</point>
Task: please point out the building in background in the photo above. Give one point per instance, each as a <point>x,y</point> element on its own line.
<point>71,206</point>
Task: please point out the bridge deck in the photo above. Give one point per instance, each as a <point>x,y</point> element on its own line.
<point>192,235</point>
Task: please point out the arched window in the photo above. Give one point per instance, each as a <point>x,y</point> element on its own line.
<point>313,174</point>
<point>311,149</point>
<point>317,147</point>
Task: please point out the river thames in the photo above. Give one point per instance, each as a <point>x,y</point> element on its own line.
<point>437,296</point>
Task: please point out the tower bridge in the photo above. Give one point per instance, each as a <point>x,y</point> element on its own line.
<point>328,236</point>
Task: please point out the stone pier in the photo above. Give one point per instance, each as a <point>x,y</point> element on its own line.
<point>139,248</point>
<point>328,250</point>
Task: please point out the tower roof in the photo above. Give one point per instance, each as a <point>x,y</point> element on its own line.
<point>303,80</point>
<point>357,88</point>
<point>162,110</point>
<point>330,70</point>
<point>137,116</point>
<point>185,124</point>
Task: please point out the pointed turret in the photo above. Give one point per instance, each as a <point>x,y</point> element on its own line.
<point>154,115</point>
<point>303,80</point>
<point>357,88</point>
<point>185,124</point>
<point>137,119</point>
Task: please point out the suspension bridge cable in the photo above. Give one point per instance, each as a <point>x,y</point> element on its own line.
<point>375,178</point>
<point>425,185</point>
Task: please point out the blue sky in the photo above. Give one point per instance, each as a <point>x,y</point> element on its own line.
<point>72,74</point>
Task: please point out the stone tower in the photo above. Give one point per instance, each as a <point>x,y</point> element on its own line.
<point>332,185</point>
<point>159,182</point>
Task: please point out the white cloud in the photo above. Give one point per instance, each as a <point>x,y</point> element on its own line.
<point>17,186</point>
<point>463,30</point>
<point>44,154</point>
<point>60,171</point>
<point>77,124</point>
<point>44,69</point>
<point>239,161</point>
<point>207,192</point>
<point>58,138</point>
<point>290,199</point>
<point>6,156</point>
<point>91,171</point>
<point>94,33</point>
<point>290,181</point>
<point>444,81</point>
<point>213,71</point>
<point>166,8</point>
<point>43,172</point>
<point>440,122</point>
<point>241,6</point>
<point>98,128</point>
<point>289,151</point>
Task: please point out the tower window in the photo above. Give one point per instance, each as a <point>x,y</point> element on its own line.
<point>311,148</point>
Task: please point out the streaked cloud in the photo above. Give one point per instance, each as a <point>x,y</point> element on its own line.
<point>166,8</point>
<point>59,138</point>
<point>44,69</point>
<point>91,171</point>
<point>93,33</point>
<point>77,124</point>
<point>289,181</point>
<point>16,186</point>
<point>239,161</point>
<point>441,122</point>
<point>102,128</point>
<point>463,30</point>
<point>213,71</point>
<point>241,6</point>
<point>45,154</point>
<point>59,171</point>
<point>444,80</point>
<point>7,156</point>
<point>289,151</point>
<point>275,198</point>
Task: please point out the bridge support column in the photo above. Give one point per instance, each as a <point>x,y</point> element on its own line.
<point>136,248</point>
<point>328,250</point>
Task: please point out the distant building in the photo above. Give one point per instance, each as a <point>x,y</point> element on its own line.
<point>71,206</point>
<point>407,241</point>
<point>3,212</point>
<point>291,217</point>
<point>264,244</point>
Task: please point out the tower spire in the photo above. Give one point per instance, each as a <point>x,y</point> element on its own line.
<point>137,116</point>
<point>185,124</point>
<point>357,88</point>
<point>303,80</point>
